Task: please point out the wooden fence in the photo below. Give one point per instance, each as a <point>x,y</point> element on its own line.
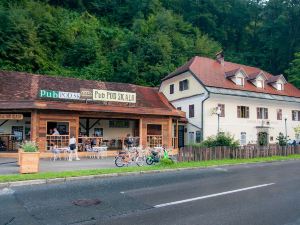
<point>192,153</point>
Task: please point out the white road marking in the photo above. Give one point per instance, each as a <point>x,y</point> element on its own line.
<point>122,192</point>
<point>221,169</point>
<point>6,191</point>
<point>212,195</point>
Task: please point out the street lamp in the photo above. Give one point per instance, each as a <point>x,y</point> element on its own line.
<point>285,120</point>
<point>218,112</point>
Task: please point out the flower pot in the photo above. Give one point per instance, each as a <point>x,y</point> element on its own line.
<point>29,162</point>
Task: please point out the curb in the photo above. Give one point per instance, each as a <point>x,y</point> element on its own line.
<point>70,179</point>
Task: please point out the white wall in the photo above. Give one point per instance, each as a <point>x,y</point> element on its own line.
<point>108,132</point>
<point>230,123</point>
<point>194,87</point>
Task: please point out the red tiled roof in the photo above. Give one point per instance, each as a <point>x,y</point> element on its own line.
<point>21,90</point>
<point>212,74</point>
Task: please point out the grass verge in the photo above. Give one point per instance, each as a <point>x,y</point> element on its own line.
<point>78,173</point>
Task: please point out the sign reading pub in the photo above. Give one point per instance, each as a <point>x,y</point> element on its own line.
<point>91,94</point>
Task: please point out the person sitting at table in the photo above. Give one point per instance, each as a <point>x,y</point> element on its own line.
<point>2,145</point>
<point>73,149</point>
<point>55,131</point>
<point>129,141</point>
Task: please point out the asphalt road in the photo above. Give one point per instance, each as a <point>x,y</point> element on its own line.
<point>260,194</point>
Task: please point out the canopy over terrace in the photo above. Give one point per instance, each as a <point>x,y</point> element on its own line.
<point>69,103</point>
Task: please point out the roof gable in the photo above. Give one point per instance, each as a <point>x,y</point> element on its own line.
<point>211,73</point>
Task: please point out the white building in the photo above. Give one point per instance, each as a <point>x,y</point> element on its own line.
<point>251,102</point>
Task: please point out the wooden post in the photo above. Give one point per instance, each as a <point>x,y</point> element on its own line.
<point>170,133</point>
<point>34,126</point>
<point>141,131</point>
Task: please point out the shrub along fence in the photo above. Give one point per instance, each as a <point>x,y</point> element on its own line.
<point>194,153</point>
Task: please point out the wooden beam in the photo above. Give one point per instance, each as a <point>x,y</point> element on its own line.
<point>4,122</point>
<point>95,123</point>
<point>87,127</point>
<point>82,125</point>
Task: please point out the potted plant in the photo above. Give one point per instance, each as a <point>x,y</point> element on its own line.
<point>29,158</point>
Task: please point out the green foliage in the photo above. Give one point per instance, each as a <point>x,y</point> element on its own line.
<point>166,162</point>
<point>29,146</point>
<point>282,140</point>
<point>141,41</point>
<point>294,71</point>
<point>222,139</point>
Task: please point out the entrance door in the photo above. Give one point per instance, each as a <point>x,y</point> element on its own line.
<point>263,138</point>
<point>180,136</point>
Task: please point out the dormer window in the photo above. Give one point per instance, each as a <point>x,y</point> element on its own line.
<point>237,76</point>
<point>259,84</point>
<point>258,79</point>
<point>277,82</point>
<point>240,81</point>
<point>279,87</point>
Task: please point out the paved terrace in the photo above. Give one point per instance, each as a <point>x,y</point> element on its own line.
<point>9,165</point>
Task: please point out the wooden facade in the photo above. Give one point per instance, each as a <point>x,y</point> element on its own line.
<point>40,118</point>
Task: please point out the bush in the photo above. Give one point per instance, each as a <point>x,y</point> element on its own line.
<point>282,140</point>
<point>29,146</point>
<point>166,162</point>
<point>222,139</point>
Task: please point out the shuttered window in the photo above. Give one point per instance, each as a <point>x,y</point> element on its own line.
<point>222,107</point>
<point>262,113</point>
<point>279,114</point>
<point>296,115</point>
<point>243,112</point>
<point>191,111</point>
<point>172,89</point>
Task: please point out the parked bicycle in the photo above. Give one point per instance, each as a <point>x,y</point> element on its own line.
<point>126,158</point>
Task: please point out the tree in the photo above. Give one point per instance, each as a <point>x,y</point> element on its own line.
<point>294,71</point>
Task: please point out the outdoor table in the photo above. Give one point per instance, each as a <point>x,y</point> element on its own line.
<point>99,150</point>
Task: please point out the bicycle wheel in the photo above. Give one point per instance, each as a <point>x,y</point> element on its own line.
<point>139,161</point>
<point>149,161</point>
<point>119,161</point>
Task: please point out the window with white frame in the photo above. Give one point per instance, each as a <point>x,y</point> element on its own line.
<point>262,113</point>
<point>260,83</point>
<point>279,86</point>
<point>295,115</point>
<point>239,81</point>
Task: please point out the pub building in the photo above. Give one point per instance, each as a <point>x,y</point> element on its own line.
<point>49,110</point>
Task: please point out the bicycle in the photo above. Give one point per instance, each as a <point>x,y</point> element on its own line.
<point>126,158</point>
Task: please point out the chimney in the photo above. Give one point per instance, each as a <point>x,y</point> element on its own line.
<point>220,57</point>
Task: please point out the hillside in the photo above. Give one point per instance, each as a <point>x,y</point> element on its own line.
<point>141,41</point>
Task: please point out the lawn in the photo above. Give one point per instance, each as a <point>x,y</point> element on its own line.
<point>77,173</point>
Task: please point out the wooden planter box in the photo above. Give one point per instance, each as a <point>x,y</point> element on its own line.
<point>29,162</point>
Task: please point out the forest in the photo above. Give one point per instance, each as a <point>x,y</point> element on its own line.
<point>141,41</point>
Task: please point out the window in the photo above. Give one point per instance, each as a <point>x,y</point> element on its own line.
<point>295,115</point>
<point>119,124</point>
<point>191,111</point>
<point>279,87</point>
<point>154,135</point>
<point>262,113</point>
<point>222,107</point>
<point>183,85</point>
<point>243,140</point>
<point>239,81</point>
<point>172,89</point>
<point>179,108</point>
<point>243,112</point>
<point>279,114</point>
<point>259,84</point>
<point>191,137</point>
<point>198,136</point>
